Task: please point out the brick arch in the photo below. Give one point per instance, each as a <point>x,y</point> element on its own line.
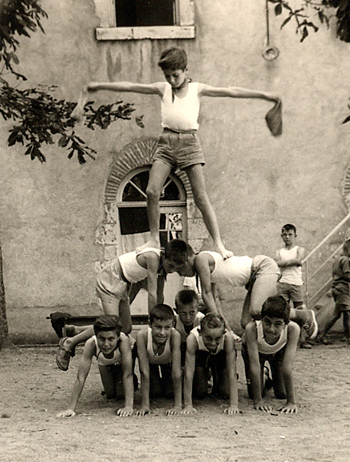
<point>134,155</point>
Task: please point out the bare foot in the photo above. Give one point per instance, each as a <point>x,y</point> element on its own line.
<point>224,252</point>
<point>79,108</point>
<point>152,243</point>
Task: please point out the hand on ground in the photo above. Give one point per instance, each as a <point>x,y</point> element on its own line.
<point>125,411</point>
<point>174,410</point>
<point>66,413</point>
<point>261,406</point>
<point>232,410</point>
<point>289,408</point>
<point>189,410</point>
<point>142,411</point>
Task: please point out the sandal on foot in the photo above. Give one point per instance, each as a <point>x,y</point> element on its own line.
<point>63,355</point>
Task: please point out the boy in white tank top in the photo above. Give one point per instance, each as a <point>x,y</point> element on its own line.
<point>188,316</point>
<point>290,260</point>
<point>113,351</point>
<point>178,145</point>
<point>210,349</point>
<point>274,339</point>
<point>116,286</point>
<point>159,354</point>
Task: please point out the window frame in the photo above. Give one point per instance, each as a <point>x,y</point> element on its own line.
<point>108,30</point>
<point>165,207</point>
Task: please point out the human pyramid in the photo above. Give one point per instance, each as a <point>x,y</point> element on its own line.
<point>185,353</point>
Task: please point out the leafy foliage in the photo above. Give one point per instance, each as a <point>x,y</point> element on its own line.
<point>322,11</point>
<point>39,118</point>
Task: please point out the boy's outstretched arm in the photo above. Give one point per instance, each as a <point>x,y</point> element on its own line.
<point>176,372</point>
<point>83,372</point>
<point>156,88</point>
<point>128,379</point>
<point>235,92</point>
<point>141,342</point>
<point>231,358</point>
<point>293,335</point>
<point>255,369</point>
<point>190,364</point>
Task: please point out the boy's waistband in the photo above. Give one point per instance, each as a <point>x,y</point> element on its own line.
<point>172,130</point>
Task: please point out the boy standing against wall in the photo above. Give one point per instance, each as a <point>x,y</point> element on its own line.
<point>289,260</point>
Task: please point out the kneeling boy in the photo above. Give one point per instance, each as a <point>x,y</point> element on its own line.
<point>274,339</point>
<point>210,347</point>
<point>158,350</point>
<point>188,316</point>
<point>113,350</point>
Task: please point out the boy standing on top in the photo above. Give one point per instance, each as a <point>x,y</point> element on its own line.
<point>290,260</point>
<point>179,144</point>
<point>273,339</point>
<point>159,354</point>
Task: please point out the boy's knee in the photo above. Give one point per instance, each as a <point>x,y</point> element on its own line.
<point>152,193</point>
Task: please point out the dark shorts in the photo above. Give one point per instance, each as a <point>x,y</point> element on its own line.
<point>341,298</point>
<point>161,382</point>
<point>291,291</point>
<point>179,150</point>
<point>275,361</point>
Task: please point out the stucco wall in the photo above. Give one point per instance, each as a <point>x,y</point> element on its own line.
<point>49,213</point>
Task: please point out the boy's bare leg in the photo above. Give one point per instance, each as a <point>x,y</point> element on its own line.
<point>196,178</point>
<point>158,174</point>
<point>67,346</point>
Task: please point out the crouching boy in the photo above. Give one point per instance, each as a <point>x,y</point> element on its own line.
<point>274,339</point>
<point>188,316</point>
<point>113,350</point>
<point>210,348</point>
<point>158,350</point>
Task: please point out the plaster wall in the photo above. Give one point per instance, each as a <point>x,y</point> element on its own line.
<point>49,213</point>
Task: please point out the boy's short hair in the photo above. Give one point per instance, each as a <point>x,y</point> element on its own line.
<point>107,322</point>
<point>185,297</point>
<point>212,321</point>
<point>289,227</point>
<point>161,312</point>
<point>276,307</point>
<point>172,59</point>
<point>177,251</point>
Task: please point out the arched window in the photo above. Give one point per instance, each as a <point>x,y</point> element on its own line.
<point>132,210</point>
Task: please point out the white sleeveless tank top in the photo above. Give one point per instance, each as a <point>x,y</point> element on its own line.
<point>291,274</point>
<point>132,271</point>
<point>182,113</point>
<point>234,270</point>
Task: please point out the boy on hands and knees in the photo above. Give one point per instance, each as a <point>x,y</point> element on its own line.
<point>274,339</point>
<point>113,350</point>
<point>115,284</point>
<point>210,347</point>
<point>179,144</point>
<point>159,354</point>
<point>258,275</point>
<point>188,316</point>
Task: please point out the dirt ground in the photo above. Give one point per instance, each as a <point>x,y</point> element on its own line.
<point>33,390</point>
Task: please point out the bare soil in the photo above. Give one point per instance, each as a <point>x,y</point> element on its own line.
<point>33,390</point>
